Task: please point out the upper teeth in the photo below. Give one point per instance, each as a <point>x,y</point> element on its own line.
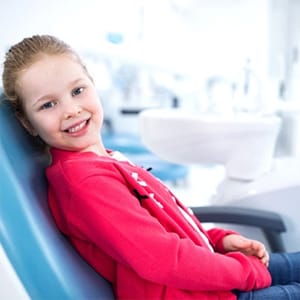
<point>76,128</point>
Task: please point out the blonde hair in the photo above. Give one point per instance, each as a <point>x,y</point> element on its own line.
<point>22,55</point>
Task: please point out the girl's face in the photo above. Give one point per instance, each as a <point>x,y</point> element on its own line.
<point>61,104</point>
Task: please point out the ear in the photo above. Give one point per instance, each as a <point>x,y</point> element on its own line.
<point>26,124</point>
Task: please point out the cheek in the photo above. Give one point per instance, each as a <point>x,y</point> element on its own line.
<point>44,126</point>
<point>97,109</point>
<point>28,123</point>
<point>100,115</point>
<point>33,120</point>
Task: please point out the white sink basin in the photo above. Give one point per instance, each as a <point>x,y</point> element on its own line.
<point>243,143</point>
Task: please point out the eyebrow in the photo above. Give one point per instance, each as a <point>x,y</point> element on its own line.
<point>45,97</point>
<point>49,96</point>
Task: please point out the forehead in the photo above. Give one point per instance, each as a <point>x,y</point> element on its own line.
<point>49,72</point>
<point>47,65</point>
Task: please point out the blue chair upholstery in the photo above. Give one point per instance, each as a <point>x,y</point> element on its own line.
<point>46,264</point>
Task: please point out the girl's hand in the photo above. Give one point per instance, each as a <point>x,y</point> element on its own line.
<point>234,242</point>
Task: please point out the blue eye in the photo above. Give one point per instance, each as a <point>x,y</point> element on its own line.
<point>48,105</point>
<point>77,91</point>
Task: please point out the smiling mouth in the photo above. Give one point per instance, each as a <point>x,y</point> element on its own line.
<point>77,128</point>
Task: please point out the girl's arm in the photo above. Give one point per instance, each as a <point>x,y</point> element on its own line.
<point>105,213</point>
<point>234,242</point>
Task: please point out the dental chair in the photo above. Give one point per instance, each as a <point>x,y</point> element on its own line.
<point>45,263</point>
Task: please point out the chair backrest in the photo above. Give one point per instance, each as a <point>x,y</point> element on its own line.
<point>46,264</point>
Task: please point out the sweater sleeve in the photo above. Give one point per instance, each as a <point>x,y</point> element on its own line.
<point>104,212</point>
<point>216,235</point>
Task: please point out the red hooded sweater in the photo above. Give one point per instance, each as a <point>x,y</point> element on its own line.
<point>128,226</point>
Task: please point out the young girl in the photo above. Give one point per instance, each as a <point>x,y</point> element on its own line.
<point>122,220</point>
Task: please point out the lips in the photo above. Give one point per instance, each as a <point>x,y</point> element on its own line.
<point>76,128</point>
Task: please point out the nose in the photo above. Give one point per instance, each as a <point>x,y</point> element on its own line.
<point>71,109</point>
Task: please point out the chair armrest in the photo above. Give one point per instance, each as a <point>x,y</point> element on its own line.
<point>269,222</point>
